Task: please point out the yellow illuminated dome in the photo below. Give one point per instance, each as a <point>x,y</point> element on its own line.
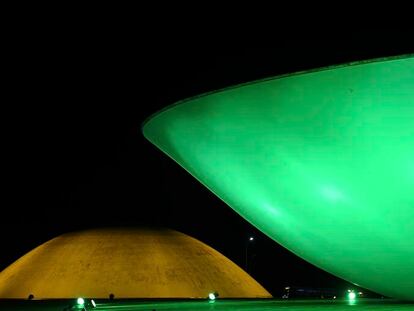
<point>128,263</point>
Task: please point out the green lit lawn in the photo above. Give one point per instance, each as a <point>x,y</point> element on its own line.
<point>288,305</point>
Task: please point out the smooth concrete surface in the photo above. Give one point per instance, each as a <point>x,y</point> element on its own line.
<point>320,161</point>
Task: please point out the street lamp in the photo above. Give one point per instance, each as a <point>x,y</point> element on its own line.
<point>249,240</point>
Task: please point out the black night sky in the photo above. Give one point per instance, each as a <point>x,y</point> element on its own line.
<point>75,158</point>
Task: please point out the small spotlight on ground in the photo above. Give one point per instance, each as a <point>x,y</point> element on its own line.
<point>80,301</point>
<point>351,296</point>
<point>212,296</point>
<point>251,238</point>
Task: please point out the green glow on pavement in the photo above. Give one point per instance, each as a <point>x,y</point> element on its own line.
<point>221,304</point>
<point>322,162</point>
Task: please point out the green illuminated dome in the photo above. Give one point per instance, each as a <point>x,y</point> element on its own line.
<point>128,263</point>
<point>321,161</point>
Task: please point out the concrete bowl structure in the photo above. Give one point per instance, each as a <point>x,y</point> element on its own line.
<point>321,161</point>
<point>127,263</point>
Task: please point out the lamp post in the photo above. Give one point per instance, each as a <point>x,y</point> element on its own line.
<point>248,242</point>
